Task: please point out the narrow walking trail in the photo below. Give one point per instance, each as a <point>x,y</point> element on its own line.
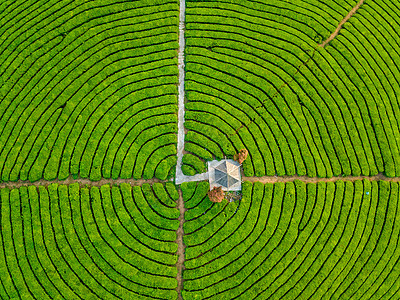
<point>81,181</point>
<point>181,94</point>
<point>180,177</point>
<point>345,19</point>
<point>139,182</point>
<point>306,179</point>
<point>181,246</point>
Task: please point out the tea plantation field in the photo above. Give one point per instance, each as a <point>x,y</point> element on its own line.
<point>88,88</point>
<point>100,243</point>
<point>294,241</point>
<point>281,241</point>
<point>89,106</point>
<point>257,79</point>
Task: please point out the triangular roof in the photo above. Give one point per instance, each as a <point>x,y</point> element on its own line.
<point>225,174</point>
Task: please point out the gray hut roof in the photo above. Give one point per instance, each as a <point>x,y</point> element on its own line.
<point>226,174</point>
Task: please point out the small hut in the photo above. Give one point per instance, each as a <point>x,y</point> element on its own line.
<point>225,174</point>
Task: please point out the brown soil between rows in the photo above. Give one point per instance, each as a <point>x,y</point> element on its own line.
<point>306,179</point>
<point>82,182</point>
<point>340,25</point>
<point>181,246</point>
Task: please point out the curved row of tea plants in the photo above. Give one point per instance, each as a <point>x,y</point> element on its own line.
<point>294,241</point>
<point>257,79</point>
<point>191,165</point>
<point>79,243</point>
<point>88,89</point>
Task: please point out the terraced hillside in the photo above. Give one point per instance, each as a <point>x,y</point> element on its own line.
<point>88,88</point>
<point>257,79</point>
<point>294,241</point>
<point>79,243</point>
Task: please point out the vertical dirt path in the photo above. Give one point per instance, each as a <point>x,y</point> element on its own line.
<point>346,18</point>
<point>179,176</point>
<point>181,246</point>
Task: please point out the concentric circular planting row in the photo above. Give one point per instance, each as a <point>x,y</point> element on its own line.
<point>88,88</point>
<point>72,243</point>
<point>257,79</point>
<point>294,241</point>
<point>364,59</point>
<point>191,165</point>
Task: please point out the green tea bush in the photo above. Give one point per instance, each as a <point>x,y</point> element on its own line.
<point>88,89</point>
<point>191,162</point>
<point>101,243</point>
<point>293,240</point>
<point>256,78</point>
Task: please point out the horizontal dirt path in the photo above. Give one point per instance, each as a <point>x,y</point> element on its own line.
<point>346,18</point>
<point>274,179</point>
<point>264,179</point>
<point>82,182</point>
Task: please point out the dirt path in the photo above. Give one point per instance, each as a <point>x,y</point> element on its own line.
<point>82,182</point>
<point>181,246</point>
<point>181,91</point>
<point>346,18</point>
<point>264,179</point>
<point>274,179</point>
